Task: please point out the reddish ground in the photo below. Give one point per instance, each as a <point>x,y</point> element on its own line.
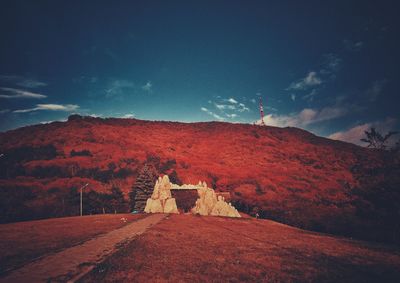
<point>287,174</point>
<point>185,248</point>
<point>22,242</point>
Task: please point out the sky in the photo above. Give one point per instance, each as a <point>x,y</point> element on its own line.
<point>330,67</point>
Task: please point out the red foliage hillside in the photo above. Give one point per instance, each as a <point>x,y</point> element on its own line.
<point>287,174</point>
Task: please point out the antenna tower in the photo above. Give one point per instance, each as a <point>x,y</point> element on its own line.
<point>262,113</point>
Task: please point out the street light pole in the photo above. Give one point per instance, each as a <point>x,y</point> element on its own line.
<point>87,184</point>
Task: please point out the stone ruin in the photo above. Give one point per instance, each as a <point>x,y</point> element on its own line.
<point>161,200</point>
<point>208,203</point>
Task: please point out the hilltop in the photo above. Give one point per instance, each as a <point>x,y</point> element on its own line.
<point>286,174</point>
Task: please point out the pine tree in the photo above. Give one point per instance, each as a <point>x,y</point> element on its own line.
<point>143,187</point>
<point>117,201</point>
<point>376,140</point>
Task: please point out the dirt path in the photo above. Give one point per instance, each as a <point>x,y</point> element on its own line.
<point>77,260</point>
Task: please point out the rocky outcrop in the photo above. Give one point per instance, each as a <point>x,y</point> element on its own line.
<point>161,200</point>
<point>209,204</point>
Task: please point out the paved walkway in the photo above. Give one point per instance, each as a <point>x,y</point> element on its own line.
<point>78,260</point>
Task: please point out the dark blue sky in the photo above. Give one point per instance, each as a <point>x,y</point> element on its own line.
<point>330,68</point>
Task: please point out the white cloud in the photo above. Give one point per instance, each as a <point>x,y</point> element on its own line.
<point>253,100</point>
<point>51,121</point>
<point>220,106</point>
<point>86,79</point>
<point>238,106</point>
<point>147,87</point>
<point>331,64</point>
<point>110,53</point>
<point>116,87</point>
<point>329,113</point>
<point>50,107</point>
<point>233,115</point>
<point>21,81</point>
<point>19,93</point>
<point>305,117</point>
<point>128,116</point>
<point>310,96</point>
<point>9,77</point>
<point>29,83</point>
<point>212,113</point>
<point>224,106</point>
<point>354,134</point>
<point>353,45</point>
<point>94,115</point>
<point>359,44</point>
<point>310,80</point>
<point>327,72</point>
<point>242,108</point>
<point>270,108</point>
<point>376,89</point>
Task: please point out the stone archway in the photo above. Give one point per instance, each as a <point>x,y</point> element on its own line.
<point>207,203</point>
<point>185,199</point>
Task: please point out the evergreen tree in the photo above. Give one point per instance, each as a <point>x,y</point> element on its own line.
<point>143,187</point>
<point>117,200</point>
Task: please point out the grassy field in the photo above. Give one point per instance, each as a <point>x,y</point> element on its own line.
<point>24,241</point>
<point>203,249</point>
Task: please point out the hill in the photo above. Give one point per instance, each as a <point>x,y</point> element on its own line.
<point>286,174</point>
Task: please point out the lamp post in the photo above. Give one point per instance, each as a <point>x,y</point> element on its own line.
<point>87,184</point>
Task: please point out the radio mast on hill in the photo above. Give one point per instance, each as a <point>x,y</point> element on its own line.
<point>262,113</point>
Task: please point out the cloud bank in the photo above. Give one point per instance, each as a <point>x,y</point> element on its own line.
<point>305,117</point>
<point>50,107</point>
<point>22,81</point>
<point>310,80</point>
<point>227,108</point>
<point>147,87</point>
<point>354,134</point>
<point>209,112</point>
<point>19,93</point>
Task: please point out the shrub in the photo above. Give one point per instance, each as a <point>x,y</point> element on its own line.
<point>164,167</point>
<point>84,152</point>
